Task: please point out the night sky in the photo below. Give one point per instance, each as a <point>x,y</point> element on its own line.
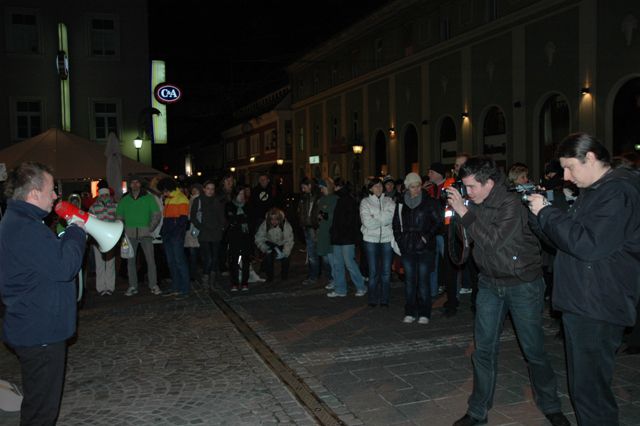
<point>237,53</point>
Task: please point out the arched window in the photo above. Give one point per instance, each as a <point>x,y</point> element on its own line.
<point>626,118</point>
<point>554,126</point>
<point>448,141</point>
<point>494,140</point>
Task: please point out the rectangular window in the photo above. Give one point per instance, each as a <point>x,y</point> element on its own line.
<point>104,39</point>
<point>28,119</point>
<point>254,145</point>
<point>105,119</point>
<point>316,83</point>
<point>242,148</point>
<point>270,141</point>
<point>230,152</point>
<point>22,32</point>
<point>445,30</point>
<point>334,75</point>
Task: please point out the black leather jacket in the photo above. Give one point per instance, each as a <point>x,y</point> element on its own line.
<point>419,225</point>
<point>505,249</point>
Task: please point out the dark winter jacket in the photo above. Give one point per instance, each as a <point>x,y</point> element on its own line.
<point>213,219</point>
<point>505,249</point>
<point>416,233</point>
<point>597,265</point>
<point>37,277</point>
<point>262,199</point>
<point>238,232</point>
<point>345,229</point>
<point>308,210</point>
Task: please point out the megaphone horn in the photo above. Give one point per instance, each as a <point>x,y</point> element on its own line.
<point>106,234</point>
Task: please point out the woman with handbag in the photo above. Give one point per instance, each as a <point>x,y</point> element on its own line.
<point>376,216</point>
<point>191,237</point>
<point>415,222</point>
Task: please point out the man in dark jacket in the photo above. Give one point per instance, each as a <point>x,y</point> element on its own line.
<point>344,235</point>
<point>596,270</point>
<point>37,283</point>
<point>507,254</point>
<point>308,218</point>
<point>263,198</point>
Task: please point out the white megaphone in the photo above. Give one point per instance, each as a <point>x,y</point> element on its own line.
<point>107,234</point>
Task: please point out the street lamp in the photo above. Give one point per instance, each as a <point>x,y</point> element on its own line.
<point>357,149</point>
<point>137,142</point>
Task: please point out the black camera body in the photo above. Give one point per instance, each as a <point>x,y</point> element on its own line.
<point>457,184</point>
<point>527,189</point>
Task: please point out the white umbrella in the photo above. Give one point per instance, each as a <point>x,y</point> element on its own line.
<point>114,164</point>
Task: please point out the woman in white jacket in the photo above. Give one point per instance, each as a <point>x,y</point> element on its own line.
<point>274,238</point>
<point>376,215</point>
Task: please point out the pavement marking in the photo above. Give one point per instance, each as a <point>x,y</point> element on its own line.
<point>307,397</point>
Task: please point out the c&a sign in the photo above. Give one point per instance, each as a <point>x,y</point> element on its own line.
<point>166,93</point>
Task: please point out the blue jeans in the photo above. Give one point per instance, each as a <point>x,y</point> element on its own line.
<point>177,261</point>
<point>434,273</point>
<point>591,354</point>
<point>417,293</point>
<point>327,266</point>
<point>379,259</point>
<point>525,302</point>
<point>312,254</point>
<point>346,256</point>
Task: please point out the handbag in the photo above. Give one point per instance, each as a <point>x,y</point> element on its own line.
<point>394,243</point>
<point>193,230</point>
<point>126,251</point>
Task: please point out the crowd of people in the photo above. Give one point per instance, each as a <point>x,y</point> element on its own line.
<point>573,238</point>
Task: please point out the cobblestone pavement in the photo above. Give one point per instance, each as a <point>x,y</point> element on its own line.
<point>150,360</point>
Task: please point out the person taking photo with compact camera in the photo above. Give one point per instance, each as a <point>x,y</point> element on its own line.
<point>507,254</point>
<point>596,270</point>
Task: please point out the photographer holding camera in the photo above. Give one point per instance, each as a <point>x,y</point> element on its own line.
<point>596,270</point>
<point>507,254</point>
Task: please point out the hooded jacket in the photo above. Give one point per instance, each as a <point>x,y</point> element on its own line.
<point>597,264</point>
<point>37,277</point>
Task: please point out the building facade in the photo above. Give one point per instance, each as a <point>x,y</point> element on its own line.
<point>420,81</point>
<point>261,142</point>
<point>79,66</point>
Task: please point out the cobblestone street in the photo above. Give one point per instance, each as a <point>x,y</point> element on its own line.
<point>151,360</point>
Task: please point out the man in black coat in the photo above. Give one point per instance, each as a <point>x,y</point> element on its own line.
<point>507,254</point>
<point>596,270</point>
<point>263,198</point>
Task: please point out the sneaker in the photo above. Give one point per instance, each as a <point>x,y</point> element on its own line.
<point>108,293</point>
<point>330,286</point>
<point>234,288</point>
<point>156,291</point>
<point>225,273</point>
<point>467,420</point>
<point>361,293</point>
<point>308,281</point>
<point>465,290</point>
<point>245,287</point>
<point>334,294</point>
<point>131,291</point>
<point>408,319</point>
<point>557,419</point>
<point>169,293</point>
<point>423,320</point>
<point>441,289</point>
<point>103,293</point>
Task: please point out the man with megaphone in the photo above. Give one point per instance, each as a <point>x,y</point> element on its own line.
<point>37,284</point>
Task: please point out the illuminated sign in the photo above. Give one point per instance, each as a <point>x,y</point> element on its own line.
<point>314,159</point>
<point>167,93</point>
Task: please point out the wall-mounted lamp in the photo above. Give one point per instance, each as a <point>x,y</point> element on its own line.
<point>637,147</point>
<point>175,177</point>
<point>425,122</point>
<point>252,159</point>
<point>392,132</point>
<point>517,104</point>
<point>232,169</point>
<point>279,161</point>
<point>199,173</point>
<point>585,91</point>
<point>357,148</point>
<point>464,115</point>
<point>137,143</point>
